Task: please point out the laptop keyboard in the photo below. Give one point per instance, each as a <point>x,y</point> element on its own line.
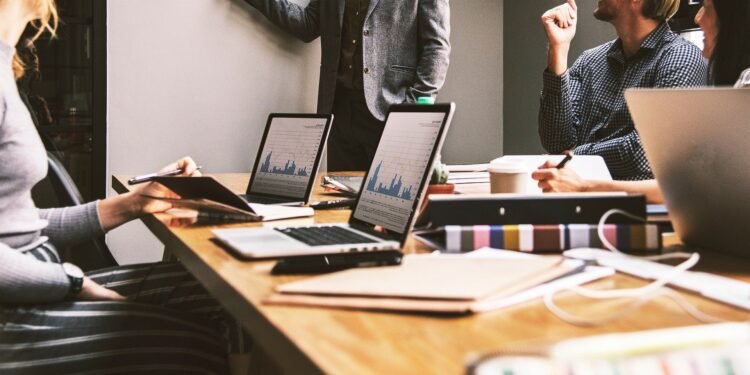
<point>326,235</point>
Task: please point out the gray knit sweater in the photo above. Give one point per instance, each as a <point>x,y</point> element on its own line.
<point>23,163</point>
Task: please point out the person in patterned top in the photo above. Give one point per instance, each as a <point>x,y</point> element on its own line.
<point>583,108</point>
<point>726,28</point>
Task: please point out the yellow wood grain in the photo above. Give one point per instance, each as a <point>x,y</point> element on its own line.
<point>359,342</point>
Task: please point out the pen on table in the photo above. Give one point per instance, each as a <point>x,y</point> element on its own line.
<point>148,177</point>
<point>568,157</point>
<point>346,202</point>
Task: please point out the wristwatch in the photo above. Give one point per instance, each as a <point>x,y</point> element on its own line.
<point>75,275</point>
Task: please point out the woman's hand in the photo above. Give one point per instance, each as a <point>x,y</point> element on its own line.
<point>153,189</point>
<point>118,210</point>
<point>91,291</point>
<point>553,180</point>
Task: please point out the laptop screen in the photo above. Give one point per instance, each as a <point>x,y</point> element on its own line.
<point>401,166</point>
<point>289,155</point>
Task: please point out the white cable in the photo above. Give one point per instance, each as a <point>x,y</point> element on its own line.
<point>608,245</point>
<point>603,221</point>
<point>640,291</point>
<point>641,295</point>
<point>632,306</point>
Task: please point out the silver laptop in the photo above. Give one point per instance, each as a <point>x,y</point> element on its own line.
<point>285,168</point>
<point>385,210</point>
<point>288,159</point>
<point>698,144</point>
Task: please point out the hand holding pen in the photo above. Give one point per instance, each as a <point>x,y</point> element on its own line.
<point>568,157</point>
<point>165,173</point>
<point>141,194</point>
<point>555,178</point>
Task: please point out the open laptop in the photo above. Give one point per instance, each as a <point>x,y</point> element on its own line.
<point>385,210</point>
<point>697,143</point>
<point>285,168</point>
<point>288,158</point>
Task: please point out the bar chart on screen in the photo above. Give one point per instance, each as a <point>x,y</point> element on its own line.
<point>288,156</point>
<point>399,166</point>
<point>393,190</point>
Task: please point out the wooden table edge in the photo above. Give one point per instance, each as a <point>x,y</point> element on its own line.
<point>263,332</point>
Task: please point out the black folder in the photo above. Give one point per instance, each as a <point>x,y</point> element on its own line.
<point>442,210</point>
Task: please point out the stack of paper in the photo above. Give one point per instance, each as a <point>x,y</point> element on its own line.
<point>348,185</point>
<point>468,174</point>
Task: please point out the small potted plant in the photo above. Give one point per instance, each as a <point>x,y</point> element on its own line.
<point>438,182</point>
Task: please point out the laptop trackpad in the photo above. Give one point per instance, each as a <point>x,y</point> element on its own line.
<point>258,242</point>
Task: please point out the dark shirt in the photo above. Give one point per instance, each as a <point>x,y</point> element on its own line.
<point>584,110</point>
<point>351,61</point>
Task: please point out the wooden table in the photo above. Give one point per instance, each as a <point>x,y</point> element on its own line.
<point>313,340</point>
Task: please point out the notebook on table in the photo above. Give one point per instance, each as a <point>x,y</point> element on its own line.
<point>385,210</point>
<point>428,283</point>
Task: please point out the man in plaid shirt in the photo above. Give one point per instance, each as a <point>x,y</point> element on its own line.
<point>583,108</point>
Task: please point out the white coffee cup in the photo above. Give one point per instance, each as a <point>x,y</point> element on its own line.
<point>508,177</point>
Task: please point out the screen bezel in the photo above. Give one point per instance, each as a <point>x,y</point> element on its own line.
<point>318,156</point>
<point>447,109</point>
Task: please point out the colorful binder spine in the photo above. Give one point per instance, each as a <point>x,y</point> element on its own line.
<point>549,238</point>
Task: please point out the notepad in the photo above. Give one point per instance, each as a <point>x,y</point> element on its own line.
<point>426,283</point>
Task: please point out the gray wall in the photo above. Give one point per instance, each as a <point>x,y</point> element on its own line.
<point>195,77</point>
<point>526,59</point>
<point>198,77</point>
<point>475,82</point>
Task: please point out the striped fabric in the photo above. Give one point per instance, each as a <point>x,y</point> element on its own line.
<point>547,238</point>
<point>169,324</point>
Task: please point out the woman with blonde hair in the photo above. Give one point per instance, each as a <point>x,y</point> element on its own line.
<point>53,317</point>
<point>726,28</point>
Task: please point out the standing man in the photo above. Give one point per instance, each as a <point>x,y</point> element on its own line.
<point>375,53</point>
<point>583,108</point>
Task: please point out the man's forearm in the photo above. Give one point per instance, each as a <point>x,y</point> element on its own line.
<point>557,59</point>
<point>431,73</point>
<point>557,115</point>
<point>624,156</point>
<point>649,188</point>
<point>302,22</point>
<point>434,56</point>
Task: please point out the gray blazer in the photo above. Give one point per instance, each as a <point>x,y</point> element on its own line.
<point>405,42</point>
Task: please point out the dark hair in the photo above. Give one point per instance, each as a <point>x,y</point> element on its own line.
<point>732,53</point>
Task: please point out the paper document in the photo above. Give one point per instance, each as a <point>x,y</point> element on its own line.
<point>467,168</point>
<point>256,212</point>
<point>589,167</point>
<point>469,178</point>
<point>349,185</point>
<point>275,212</point>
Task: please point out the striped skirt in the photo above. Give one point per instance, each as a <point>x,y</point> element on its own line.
<point>169,324</point>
